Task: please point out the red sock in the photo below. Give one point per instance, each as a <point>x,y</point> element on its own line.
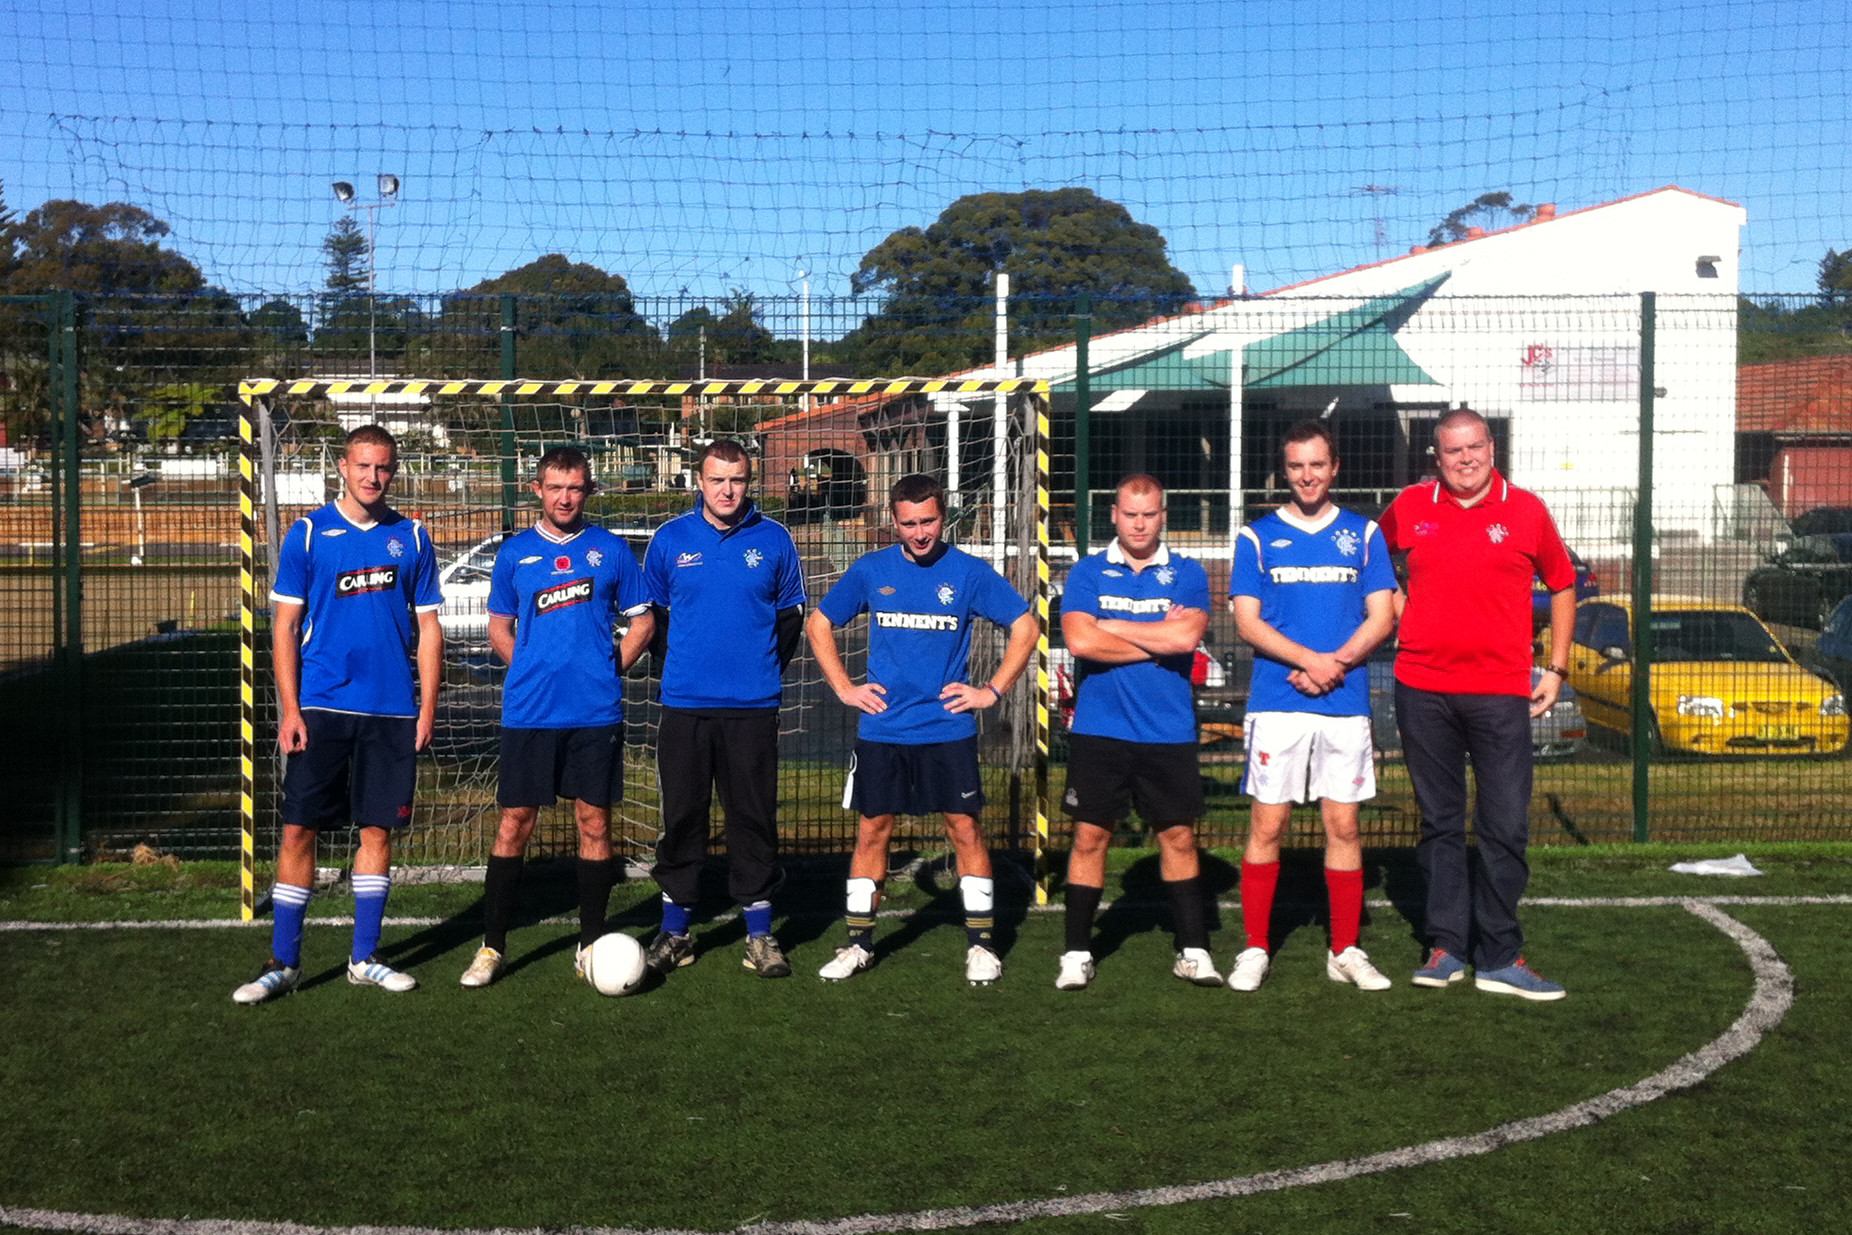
<point>1257,884</point>
<point>1346,891</point>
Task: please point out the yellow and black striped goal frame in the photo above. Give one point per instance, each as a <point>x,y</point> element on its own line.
<point>253,391</point>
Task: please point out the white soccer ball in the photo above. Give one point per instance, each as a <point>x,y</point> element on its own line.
<point>614,964</point>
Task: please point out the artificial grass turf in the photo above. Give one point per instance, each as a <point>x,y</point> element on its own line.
<point>721,1097</point>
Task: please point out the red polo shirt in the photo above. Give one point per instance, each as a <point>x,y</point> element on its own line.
<point>1467,627</point>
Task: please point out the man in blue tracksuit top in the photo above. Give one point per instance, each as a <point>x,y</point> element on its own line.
<point>729,590</point>
<point>556,595</point>
<point>916,748</point>
<point>356,592</point>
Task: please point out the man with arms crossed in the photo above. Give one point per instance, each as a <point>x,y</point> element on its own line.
<point>916,739</point>
<point>1132,616</point>
<point>356,591</point>
<point>1313,592</point>
<point>555,595</point>
<point>1463,688</point>
<point>729,588</point>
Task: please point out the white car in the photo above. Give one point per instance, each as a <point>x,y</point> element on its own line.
<point>465,583</point>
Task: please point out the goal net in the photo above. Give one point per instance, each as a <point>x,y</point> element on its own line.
<point>825,453</point>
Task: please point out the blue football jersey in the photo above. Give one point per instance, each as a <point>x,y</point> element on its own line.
<point>919,634</point>
<point>1149,700</point>
<point>1311,582</point>
<point>724,591</point>
<point>359,585</point>
<point>565,597</point>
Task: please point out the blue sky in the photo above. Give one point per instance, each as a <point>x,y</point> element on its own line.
<point>735,143</point>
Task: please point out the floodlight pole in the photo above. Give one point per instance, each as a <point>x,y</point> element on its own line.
<point>388,186</point>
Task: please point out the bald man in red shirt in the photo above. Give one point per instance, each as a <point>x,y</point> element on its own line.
<point>1463,688</point>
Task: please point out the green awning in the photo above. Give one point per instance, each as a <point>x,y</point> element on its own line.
<point>1166,369</point>
<point>1354,348</point>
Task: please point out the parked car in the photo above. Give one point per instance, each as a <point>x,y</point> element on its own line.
<point>1821,520</point>
<point>1218,716</point>
<point>1586,585</point>
<point>1721,683</point>
<point>1557,734</point>
<point>1831,656</point>
<point>1803,581</point>
<point>464,580</point>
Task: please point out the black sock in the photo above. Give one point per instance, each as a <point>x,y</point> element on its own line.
<point>596,879</point>
<point>1186,912</point>
<point>501,894</point>
<point>1082,903</point>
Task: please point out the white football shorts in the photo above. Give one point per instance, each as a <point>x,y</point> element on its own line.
<point>1304,757</point>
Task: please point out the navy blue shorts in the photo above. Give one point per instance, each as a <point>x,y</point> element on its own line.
<point>539,765</point>
<point>887,778</point>
<point>356,769</point>
<point>1108,777</point>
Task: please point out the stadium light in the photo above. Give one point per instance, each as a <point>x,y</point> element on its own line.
<point>388,186</point>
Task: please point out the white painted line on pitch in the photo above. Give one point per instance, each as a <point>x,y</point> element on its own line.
<point>1546,902</point>
<point>1768,1004</point>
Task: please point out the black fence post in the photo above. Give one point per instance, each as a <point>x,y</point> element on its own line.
<point>1642,699</point>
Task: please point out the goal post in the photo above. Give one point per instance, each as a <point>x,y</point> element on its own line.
<point>825,452</point>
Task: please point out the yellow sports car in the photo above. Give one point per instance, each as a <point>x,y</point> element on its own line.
<point>1721,683</point>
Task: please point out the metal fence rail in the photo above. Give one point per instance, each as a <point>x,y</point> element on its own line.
<point>123,681</point>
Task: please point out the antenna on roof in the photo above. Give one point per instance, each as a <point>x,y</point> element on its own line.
<point>1377,192</point>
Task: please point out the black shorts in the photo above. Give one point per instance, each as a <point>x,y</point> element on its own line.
<point>888,778</point>
<point>540,765</point>
<point>1107,777</point>
<point>356,769</point>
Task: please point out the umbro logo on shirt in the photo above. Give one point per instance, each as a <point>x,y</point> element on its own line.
<point>530,559</point>
<point>334,531</point>
<point>1282,543</point>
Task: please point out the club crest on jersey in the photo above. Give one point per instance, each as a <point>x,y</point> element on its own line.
<point>1427,527</point>
<point>594,558</point>
<point>367,579</point>
<point>562,595</point>
<point>688,559</point>
<point>945,593</point>
<point>1497,533</point>
<point>886,591</point>
<point>1166,576</point>
<point>753,558</point>
<point>1347,541</point>
<point>395,547</point>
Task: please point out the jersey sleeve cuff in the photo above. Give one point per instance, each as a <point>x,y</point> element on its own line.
<point>288,600</point>
<point>428,608</point>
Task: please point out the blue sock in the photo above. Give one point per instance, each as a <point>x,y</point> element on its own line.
<point>289,905</point>
<point>759,918</point>
<point>675,918</point>
<point>370,892</point>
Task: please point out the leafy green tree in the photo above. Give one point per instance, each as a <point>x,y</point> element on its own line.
<point>147,315</point>
<point>935,283</point>
<point>9,228</point>
<point>347,258</point>
<point>1489,211</point>
<point>1835,279</point>
<point>573,320</point>
<point>1783,328</point>
<point>734,336</point>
